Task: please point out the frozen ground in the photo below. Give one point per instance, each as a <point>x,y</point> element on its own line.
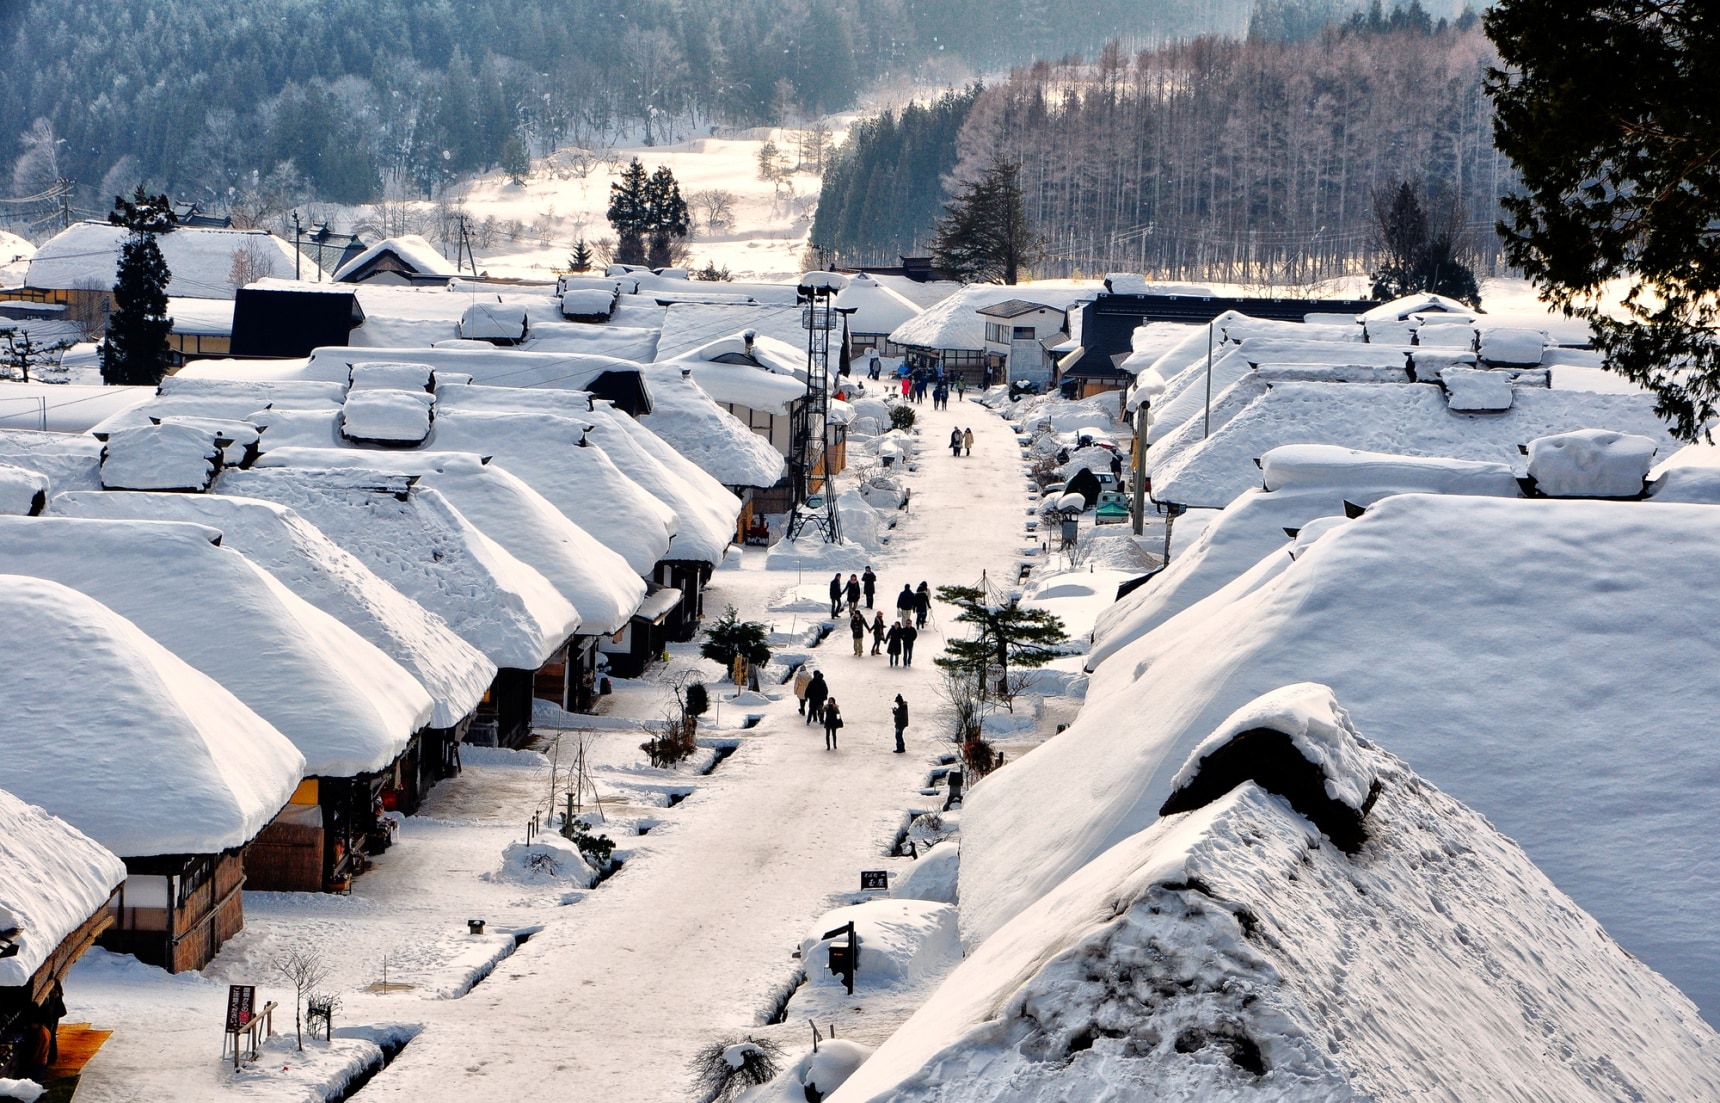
<point>606,992</point>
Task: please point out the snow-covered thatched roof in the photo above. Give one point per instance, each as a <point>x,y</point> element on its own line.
<point>687,326</point>
<point>595,579</point>
<point>1514,651</point>
<point>300,557</point>
<point>706,518</point>
<point>957,324</point>
<point>347,706</point>
<point>693,424</point>
<point>413,538</point>
<point>1228,952</point>
<point>412,250</point>
<point>53,877</point>
<point>199,258</point>
<point>877,308</point>
<point>162,760</point>
<point>70,462</point>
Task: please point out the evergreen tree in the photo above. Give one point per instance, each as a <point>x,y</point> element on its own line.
<point>1006,634</point>
<point>1610,111</point>
<point>984,236</point>
<point>580,261</point>
<point>667,220</point>
<point>136,351</point>
<point>516,161</point>
<point>630,213</point>
<point>1419,250</point>
<point>732,638</point>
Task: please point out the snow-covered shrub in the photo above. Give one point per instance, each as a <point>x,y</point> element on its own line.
<point>722,1071</point>
<point>902,417</point>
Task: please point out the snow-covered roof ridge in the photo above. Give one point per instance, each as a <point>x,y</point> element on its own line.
<point>417,541</point>
<point>1591,463</point>
<point>69,461</point>
<point>596,580</point>
<point>300,557</point>
<point>23,490</point>
<point>200,258</point>
<point>1297,466</point>
<point>1509,720</point>
<point>163,760</point>
<point>693,424</point>
<point>347,706</point>
<point>485,363</point>
<point>876,307</point>
<point>1226,954</point>
<point>162,457</point>
<point>411,248</point>
<point>53,877</point>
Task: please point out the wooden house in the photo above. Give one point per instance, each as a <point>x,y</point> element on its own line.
<point>407,259</point>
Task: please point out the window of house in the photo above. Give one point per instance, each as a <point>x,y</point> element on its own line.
<point>1024,333</point>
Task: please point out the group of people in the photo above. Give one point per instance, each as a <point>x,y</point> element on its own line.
<point>817,705</point>
<point>961,440</point>
<point>895,639</point>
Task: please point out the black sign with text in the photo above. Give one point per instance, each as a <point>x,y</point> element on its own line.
<point>241,1004</point>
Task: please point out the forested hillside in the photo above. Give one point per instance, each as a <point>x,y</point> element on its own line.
<point>1248,159</point>
<point>207,98</point>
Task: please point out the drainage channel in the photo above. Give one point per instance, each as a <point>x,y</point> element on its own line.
<point>776,1011</point>
<point>390,1040</point>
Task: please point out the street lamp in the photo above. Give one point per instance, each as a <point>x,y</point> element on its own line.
<point>1148,386</point>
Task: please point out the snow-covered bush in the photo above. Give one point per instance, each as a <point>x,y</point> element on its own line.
<point>722,1071</point>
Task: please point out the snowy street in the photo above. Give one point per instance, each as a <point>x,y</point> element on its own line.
<point>693,939</point>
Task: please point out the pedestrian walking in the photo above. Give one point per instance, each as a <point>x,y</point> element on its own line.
<point>836,594</point>
<point>955,442</point>
<point>906,383</point>
<point>961,388</point>
<point>909,634</point>
<point>900,715</point>
<point>832,721</point>
<point>802,679</point>
<point>877,632</point>
<point>852,591</point>
<point>922,605</point>
<point>905,602</point>
<point>817,691</point>
<point>967,440</point>
<point>857,626</point>
<point>894,642</point>
<point>869,586</point>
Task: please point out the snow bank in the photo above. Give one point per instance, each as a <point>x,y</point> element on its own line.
<point>387,416</point>
<point>53,877</point>
<point>933,877</point>
<point>708,435</point>
<point>1696,485</point>
<point>420,544</point>
<point>1407,419</point>
<point>829,1067</point>
<point>1077,597</point>
<point>162,457</point>
<point>348,707</point>
<point>23,492</point>
<point>1579,738</point>
<point>300,557</point>
<point>1591,463</point>
<point>69,462</point>
<point>1226,953</point>
<point>812,553</point>
<point>901,942</point>
<point>1326,466</point>
<point>162,761</point>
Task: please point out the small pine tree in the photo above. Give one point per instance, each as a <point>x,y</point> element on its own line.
<point>1008,635</point>
<point>580,261</point>
<point>136,351</point>
<point>710,273</point>
<point>630,213</point>
<point>769,162</point>
<point>984,235</point>
<point>731,638</point>
<point>667,218</point>
<point>516,159</point>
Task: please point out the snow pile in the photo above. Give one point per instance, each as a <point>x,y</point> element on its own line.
<point>300,557</point>
<point>901,942</point>
<point>1227,952</point>
<point>23,492</point>
<point>420,544</point>
<point>348,707</point>
<point>933,877</point>
<point>594,579</point>
<point>69,462</point>
<point>52,878</point>
<point>1504,345</point>
<point>1331,467</point>
<point>1472,390</point>
<point>1409,419</point>
<point>1591,463</point>
<point>1697,485</point>
<point>546,858</point>
<point>162,761</point>
<point>383,375</point>
<point>883,492</point>
<point>708,435</point>
<point>820,1072</point>
<point>387,416</point>
<point>1512,721</point>
<point>811,553</point>
<point>162,457</point>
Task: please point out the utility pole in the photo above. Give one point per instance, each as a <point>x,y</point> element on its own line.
<point>298,250</point>
<point>65,185</point>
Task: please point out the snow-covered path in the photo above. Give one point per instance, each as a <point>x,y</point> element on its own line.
<point>692,940</point>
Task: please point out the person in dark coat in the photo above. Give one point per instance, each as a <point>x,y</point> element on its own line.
<point>869,586</point>
<point>922,605</point>
<point>832,721</point>
<point>909,634</point>
<point>905,601</point>
<point>900,715</point>
<point>878,631</point>
<point>857,627</point>
<point>53,1010</point>
<point>816,693</point>
<point>852,591</point>
<point>836,594</point>
<point>894,644</point>
<point>955,442</point>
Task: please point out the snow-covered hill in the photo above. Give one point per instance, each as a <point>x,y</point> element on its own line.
<point>1232,951</point>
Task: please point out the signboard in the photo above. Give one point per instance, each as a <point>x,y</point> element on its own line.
<point>241,1005</point>
<point>874,880</point>
<point>816,317</point>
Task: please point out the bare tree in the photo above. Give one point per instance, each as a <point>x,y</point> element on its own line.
<point>22,352</point>
<point>715,206</point>
<point>89,307</point>
<point>302,967</point>
<point>38,167</point>
<point>252,261</point>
